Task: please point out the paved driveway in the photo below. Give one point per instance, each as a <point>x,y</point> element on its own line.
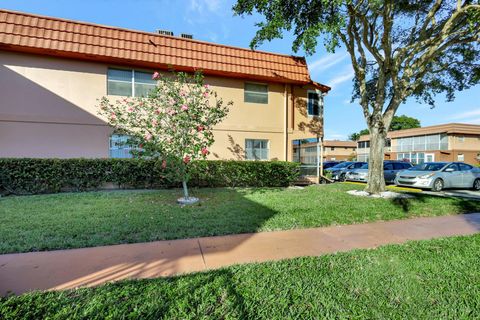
<point>470,194</point>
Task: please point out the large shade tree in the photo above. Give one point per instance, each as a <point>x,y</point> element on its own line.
<point>398,49</point>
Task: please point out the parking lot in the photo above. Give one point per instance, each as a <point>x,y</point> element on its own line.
<point>470,194</point>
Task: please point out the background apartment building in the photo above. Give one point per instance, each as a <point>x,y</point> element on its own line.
<point>446,142</point>
<point>52,71</point>
<point>306,152</point>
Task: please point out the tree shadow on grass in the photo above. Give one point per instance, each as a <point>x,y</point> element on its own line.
<point>134,252</point>
<point>462,205</point>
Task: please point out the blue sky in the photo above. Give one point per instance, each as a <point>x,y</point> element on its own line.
<point>213,20</point>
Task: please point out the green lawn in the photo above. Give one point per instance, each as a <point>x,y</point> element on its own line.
<point>435,279</point>
<point>74,220</point>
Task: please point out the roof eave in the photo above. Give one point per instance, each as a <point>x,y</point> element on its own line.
<point>150,65</point>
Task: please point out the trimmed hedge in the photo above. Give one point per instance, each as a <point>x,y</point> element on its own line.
<point>34,176</point>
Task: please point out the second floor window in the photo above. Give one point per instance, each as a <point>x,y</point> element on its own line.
<point>129,83</point>
<point>313,104</point>
<point>256,93</point>
<point>363,144</point>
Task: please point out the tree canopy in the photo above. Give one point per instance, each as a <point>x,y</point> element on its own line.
<point>398,123</point>
<point>398,49</point>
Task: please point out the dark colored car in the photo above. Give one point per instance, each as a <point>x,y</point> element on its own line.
<point>340,170</point>
<point>330,163</point>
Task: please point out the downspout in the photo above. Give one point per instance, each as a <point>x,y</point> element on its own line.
<point>285,122</point>
<point>321,135</point>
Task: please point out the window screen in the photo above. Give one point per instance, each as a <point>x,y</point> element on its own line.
<point>313,104</point>
<point>119,82</point>
<point>256,149</point>
<point>256,93</point>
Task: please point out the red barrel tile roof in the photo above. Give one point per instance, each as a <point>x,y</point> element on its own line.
<point>59,37</point>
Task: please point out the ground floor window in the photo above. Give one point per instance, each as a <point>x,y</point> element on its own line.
<point>413,157</point>
<point>119,147</point>
<point>256,149</point>
<point>460,157</point>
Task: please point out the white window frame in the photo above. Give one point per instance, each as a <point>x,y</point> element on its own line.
<point>132,80</point>
<point>461,157</point>
<point>257,83</point>
<point>319,97</point>
<point>268,149</point>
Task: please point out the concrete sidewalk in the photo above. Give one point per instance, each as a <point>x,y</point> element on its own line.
<point>64,269</point>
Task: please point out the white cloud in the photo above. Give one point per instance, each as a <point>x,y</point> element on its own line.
<point>340,79</point>
<point>203,6</point>
<point>473,121</point>
<point>466,115</point>
<point>201,12</point>
<point>327,62</point>
<point>334,135</point>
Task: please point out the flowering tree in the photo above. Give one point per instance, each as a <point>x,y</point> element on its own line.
<point>173,123</point>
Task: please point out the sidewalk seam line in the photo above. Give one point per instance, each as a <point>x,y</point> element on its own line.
<point>201,252</point>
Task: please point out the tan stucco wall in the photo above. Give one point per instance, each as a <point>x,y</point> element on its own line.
<point>48,109</point>
<point>40,140</point>
<point>471,143</point>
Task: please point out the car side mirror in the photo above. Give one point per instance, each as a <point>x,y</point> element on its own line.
<point>449,170</point>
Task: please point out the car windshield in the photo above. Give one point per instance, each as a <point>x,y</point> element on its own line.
<point>427,167</point>
<point>341,165</point>
<point>365,166</point>
<point>329,164</point>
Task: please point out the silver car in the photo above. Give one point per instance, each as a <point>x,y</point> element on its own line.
<point>440,175</point>
<point>390,169</point>
<point>339,171</point>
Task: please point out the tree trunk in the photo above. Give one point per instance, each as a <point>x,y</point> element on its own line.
<point>185,189</point>
<point>376,180</point>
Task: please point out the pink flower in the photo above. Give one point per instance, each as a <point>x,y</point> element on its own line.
<point>183,93</point>
<point>148,136</point>
<point>200,128</point>
<point>130,109</point>
<point>155,75</point>
<point>171,100</point>
<point>113,116</point>
<point>154,122</point>
<point>186,159</point>
<point>205,94</point>
<point>184,107</point>
<point>204,151</point>
<point>158,111</point>
<point>164,164</point>
<point>171,112</point>
<point>207,86</point>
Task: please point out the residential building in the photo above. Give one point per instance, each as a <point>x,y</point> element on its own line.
<point>446,142</point>
<point>306,152</point>
<point>339,150</point>
<point>53,71</point>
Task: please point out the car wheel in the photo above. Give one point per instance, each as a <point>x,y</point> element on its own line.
<point>476,185</point>
<point>437,185</point>
<point>342,177</point>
